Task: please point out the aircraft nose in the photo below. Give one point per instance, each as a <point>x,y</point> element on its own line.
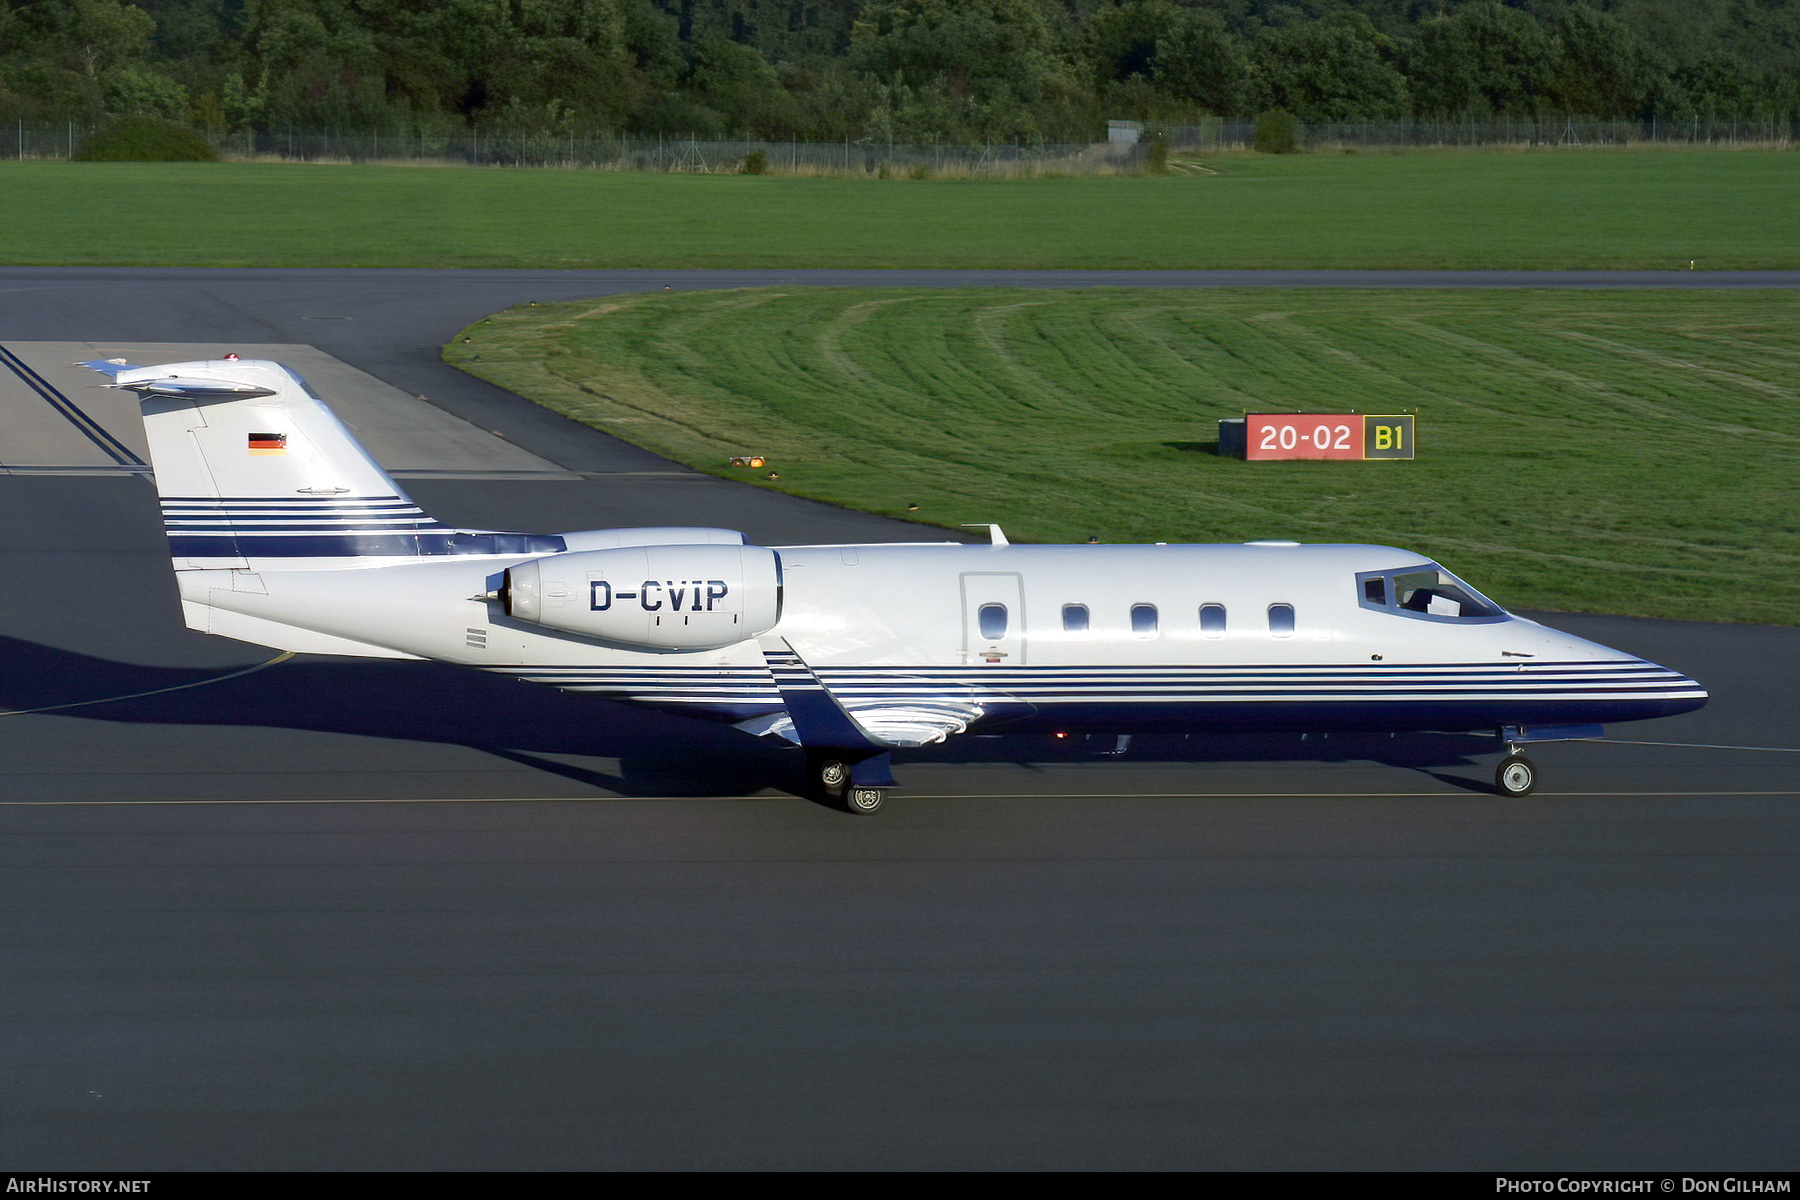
<point>1680,693</point>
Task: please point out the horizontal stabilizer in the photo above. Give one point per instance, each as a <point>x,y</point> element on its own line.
<point>198,389</point>
<point>111,367</point>
<point>168,381</point>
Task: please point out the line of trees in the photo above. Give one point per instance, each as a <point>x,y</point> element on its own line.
<point>901,70</point>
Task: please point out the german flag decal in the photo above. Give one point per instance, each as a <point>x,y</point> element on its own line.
<point>268,443</point>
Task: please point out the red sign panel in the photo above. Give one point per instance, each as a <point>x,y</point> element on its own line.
<point>1327,435</point>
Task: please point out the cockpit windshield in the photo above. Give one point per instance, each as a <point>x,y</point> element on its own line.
<point>1426,590</point>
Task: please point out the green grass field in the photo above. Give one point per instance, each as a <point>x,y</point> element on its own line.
<point>1629,452</point>
<point>1598,208</point>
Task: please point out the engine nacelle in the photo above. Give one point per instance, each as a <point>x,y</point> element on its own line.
<point>686,597</point>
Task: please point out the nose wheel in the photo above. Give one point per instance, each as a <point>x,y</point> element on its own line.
<point>1515,776</point>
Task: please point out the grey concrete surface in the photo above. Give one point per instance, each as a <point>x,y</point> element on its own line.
<point>405,433</point>
<point>339,913</point>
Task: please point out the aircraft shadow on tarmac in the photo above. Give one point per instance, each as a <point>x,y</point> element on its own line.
<point>659,754</point>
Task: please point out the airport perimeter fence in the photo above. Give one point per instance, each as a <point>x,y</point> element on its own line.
<point>605,152</point>
<point>1558,131</point>
<point>724,155</point>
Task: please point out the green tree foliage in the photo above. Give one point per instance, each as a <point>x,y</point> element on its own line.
<point>1482,59</point>
<point>737,83</point>
<point>971,68</point>
<point>1277,133</point>
<point>83,59</point>
<point>1198,60</point>
<point>146,139</point>
<point>1340,69</point>
<point>1601,67</point>
<point>1146,56</point>
<point>905,70</point>
<point>1718,82</point>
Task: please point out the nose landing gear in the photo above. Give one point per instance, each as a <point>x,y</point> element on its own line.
<point>1516,775</point>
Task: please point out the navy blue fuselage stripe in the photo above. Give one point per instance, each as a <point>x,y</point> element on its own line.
<point>289,509</point>
<point>225,530</point>
<point>1241,713</point>
<point>116,450</point>
<point>337,499</point>
<point>899,684</point>
<point>292,514</point>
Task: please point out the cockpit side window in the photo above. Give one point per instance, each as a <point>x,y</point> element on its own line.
<point>1426,591</point>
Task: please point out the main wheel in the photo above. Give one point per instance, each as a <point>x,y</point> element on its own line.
<point>831,776</point>
<point>1515,776</point>
<point>863,800</point>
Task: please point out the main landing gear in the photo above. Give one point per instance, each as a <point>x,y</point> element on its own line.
<point>844,767</point>
<point>854,787</point>
<point>864,800</point>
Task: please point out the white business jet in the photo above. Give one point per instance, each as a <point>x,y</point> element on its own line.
<point>285,533</point>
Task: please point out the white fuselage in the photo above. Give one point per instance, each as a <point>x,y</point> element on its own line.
<point>897,633</point>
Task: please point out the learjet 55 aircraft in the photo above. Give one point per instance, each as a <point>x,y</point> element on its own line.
<point>285,533</point>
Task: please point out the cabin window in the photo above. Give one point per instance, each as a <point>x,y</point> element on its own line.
<point>992,620</point>
<point>1212,620</point>
<point>1143,618</point>
<point>1281,620</point>
<point>1075,618</point>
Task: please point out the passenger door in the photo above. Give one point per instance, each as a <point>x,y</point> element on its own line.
<point>993,619</point>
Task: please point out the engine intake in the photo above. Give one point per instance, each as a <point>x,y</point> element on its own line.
<point>687,597</point>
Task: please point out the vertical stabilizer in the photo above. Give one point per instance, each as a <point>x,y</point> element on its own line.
<point>252,466</point>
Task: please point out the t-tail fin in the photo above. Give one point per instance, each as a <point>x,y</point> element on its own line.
<point>251,465</point>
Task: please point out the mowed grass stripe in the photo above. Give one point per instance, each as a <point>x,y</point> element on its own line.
<point>1633,452</point>
<point>1499,209</point>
